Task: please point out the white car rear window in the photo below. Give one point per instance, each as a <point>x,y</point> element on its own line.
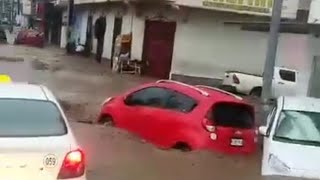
<point>30,118</point>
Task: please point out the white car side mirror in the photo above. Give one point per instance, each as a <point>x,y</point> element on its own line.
<point>263,130</point>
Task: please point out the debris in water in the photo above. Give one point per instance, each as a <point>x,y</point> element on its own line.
<point>38,65</point>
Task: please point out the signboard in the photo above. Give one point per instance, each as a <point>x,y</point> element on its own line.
<point>314,14</point>
<point>250,6</point>
<point>26,7</point>
<point>253,7</point>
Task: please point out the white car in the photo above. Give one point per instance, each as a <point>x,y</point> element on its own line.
<point>36,141</point>
<point>291,144</point>
<point>284,83</point>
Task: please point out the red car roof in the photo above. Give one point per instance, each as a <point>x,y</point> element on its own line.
<point>213,93</point>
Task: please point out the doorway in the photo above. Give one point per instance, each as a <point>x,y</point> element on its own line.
<point>53,23</point>
<point>158,47</point>
<point>89,36</point>
<point>116,32</point>
<point>314,83</point>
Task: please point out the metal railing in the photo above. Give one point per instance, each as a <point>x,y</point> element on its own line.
<point>202,92</point>
<point>220,90</point>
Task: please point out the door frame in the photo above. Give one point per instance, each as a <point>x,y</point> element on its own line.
<point>146,38</point>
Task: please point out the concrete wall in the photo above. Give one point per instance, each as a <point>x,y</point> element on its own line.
<point>110,11</point>
<point>314,16</point>
<point>206,47</point>
<point>137,37</point>
<point>304,4</point>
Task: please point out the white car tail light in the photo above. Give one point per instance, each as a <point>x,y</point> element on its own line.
<point>73,165</point>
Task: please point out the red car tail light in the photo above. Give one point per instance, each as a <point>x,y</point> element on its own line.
<point>73,165</point>
<point>235,79</point>
<point>208,126</point>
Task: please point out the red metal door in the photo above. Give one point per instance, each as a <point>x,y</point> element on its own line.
<point>158,47</point>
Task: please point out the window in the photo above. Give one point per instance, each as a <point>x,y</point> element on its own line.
<point>154,96</point>
<point>298,127</point>
<point>270,120</point>
<point>30,118</point>
<point>288,75</point>
<point>232,115</point>
<point>180,102</point>
<point>162,98</point>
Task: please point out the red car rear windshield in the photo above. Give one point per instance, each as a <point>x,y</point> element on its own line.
<point>30,118</point>
<point>232,115</point>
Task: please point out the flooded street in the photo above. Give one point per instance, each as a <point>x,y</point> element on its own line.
<point>82,85</point>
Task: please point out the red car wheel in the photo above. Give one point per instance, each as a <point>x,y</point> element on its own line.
<point>106,120</point>
<point>185,147</point>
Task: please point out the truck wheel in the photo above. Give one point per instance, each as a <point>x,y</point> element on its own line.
<point>256,92</point>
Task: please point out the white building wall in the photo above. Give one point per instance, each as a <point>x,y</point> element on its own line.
<point>63,39</point>
<point>206,47</point>
<point>304,4</point>
<point>107,47</point>
<point>127,21</point>
<point>138,26</point>
<point>83,26</point>
<point>111,11</point>
<point>314,16</point>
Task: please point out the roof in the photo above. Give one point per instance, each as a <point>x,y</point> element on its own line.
<point>301,104</point>
<point>202,92</point>
<point>22,91</point>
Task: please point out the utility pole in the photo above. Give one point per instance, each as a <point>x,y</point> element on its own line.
<point>11,15</point>
<point>272,50</point>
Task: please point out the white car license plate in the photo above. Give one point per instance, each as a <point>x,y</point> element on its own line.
<point>236,142</point>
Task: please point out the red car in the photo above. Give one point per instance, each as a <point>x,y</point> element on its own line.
<point>171,114</point>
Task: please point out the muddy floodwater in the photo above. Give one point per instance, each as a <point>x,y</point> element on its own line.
<point>113,154</point>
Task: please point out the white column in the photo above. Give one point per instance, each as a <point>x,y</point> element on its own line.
<point>314,15</point>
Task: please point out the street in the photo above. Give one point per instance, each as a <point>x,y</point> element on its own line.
<point>81,85</point>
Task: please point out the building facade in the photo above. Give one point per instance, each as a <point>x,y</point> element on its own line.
<point>195,40</point>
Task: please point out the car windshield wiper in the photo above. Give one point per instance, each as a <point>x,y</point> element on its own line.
<point>284,138</point>
<point>298,140</point>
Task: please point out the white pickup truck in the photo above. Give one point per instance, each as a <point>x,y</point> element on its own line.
<point>284,82</point>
